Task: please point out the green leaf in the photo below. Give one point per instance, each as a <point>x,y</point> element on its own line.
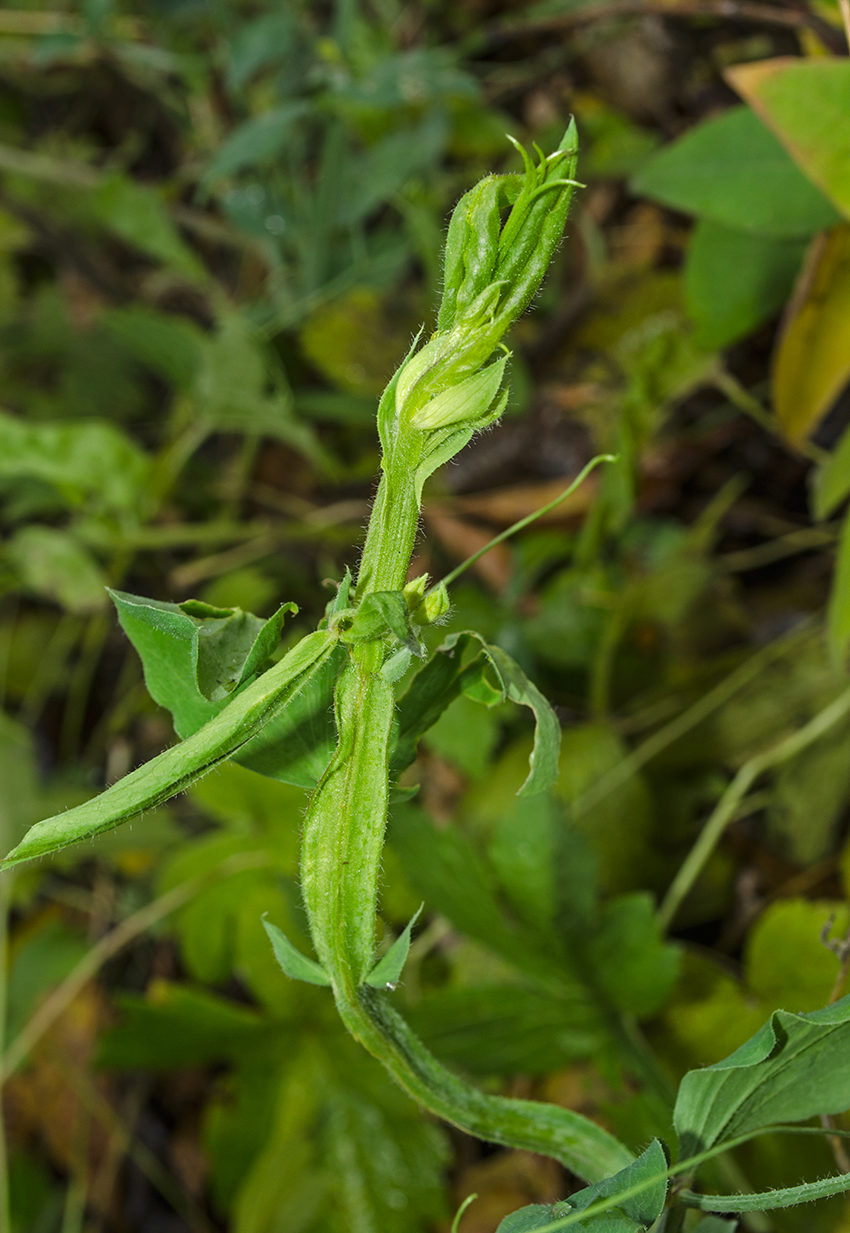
<point>174,1026</point>
<point>168,345</point>
<point>543,763</point>
<point>138,215</point>
<point>174,770</point>
<point>637,1212</point>
<point>789,1071</point>
<point>296,744</point>
<point>735,280</point>
<point>93,466</point>
<point>294,964</point>
<point>54,564</point>
<point>731,170</point>
<point>633,963</point>
<point>806,103</point>
<point>379,612</point>
<point>195,656</point>
<point>387,971</point>
<point>509,1029</point>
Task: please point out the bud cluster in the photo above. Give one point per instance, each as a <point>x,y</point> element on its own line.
<point>492,272</point>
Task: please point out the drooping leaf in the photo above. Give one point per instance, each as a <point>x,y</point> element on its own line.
<point>812,361</point>
<point>294,964</point>
<point>733,171</point>
<point>791,1070</point>
<point>735,280</point>
<point>387,971</point>
<point>806,102</point>
<point>543,763</point>
<point>170,772</point>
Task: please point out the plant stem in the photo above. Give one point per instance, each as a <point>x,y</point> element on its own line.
<point>727,806</point>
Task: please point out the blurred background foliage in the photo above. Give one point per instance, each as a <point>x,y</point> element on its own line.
<point>220,227</point>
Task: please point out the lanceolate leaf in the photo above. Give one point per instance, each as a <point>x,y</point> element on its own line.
<point>169,773</point>
<point>831,482</point>
<point>387,971</point>
<point>793,1069</point>
<point>294,964</point>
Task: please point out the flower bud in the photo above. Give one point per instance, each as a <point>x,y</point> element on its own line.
<point>468,400</point>
<point>434,606</point>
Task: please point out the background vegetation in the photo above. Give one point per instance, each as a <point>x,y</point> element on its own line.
<point>220,226</point>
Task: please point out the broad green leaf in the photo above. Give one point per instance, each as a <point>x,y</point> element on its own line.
<point>838,609</point>
<point>294,964</point>
<point>637,1212</point>
<point>735,280</point>
<point>55,565</point>
<point>509,1029</point>
<point>789,1071</point>
<point>806,102</point>
<point>387,971</point>
<point>812,362</point>
<point>733,171</point>
<point>195,656</point>
<point>138,215</point>
<point>831,480</point>
<point>177,1025</point>
<point>93,466</point>
<point>170,772</point>
<point>434,687</point>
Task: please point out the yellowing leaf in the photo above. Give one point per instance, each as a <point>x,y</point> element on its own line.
<point>812,362</point>
<point>807,104</point>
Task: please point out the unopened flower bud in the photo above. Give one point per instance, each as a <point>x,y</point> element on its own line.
<point>434,606</point>
<point>468,400</point>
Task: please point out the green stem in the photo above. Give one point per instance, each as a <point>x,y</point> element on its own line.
<point>726,809</point>
<point>340,866</point>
